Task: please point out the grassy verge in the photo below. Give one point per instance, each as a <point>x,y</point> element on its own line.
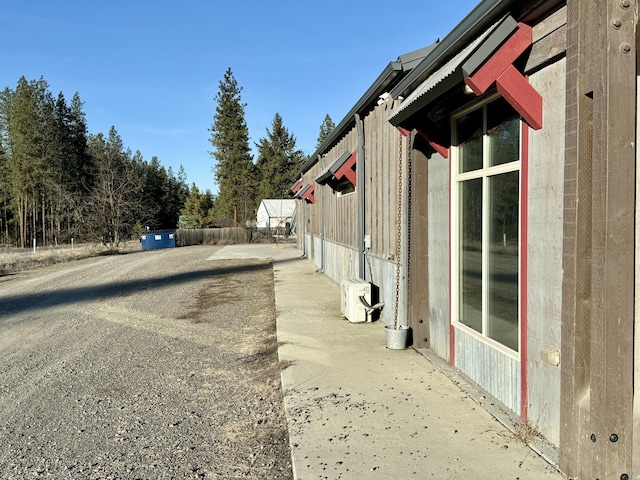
<point>16,262</point>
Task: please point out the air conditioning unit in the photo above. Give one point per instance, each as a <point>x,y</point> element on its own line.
<point>352,307</point>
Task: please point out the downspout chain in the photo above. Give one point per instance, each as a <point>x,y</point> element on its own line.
<point>398,233</point>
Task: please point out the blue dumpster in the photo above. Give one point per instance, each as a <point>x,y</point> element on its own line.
<point>158,239</point>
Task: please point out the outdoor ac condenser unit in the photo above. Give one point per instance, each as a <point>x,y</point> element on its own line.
<point>352,307</point>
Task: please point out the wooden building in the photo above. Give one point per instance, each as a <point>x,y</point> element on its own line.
<point>487,186</point>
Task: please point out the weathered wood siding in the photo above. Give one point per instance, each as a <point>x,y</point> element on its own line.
<point>340,212</point>
<point>331,223</point>
<point>544,243</point>
<point>382,156</point>
<point>438,221</point>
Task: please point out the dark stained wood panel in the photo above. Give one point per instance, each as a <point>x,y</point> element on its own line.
<point>597,414</point>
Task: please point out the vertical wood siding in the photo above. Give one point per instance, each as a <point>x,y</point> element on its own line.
<point>381,147</point>
<point>546,178</point>
<point>381,212</point>
<point>381,189</point>
<point>438,225</point>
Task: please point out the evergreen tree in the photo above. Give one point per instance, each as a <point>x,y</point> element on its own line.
<point>176,193</point>
<point>76,137</point>
<point>278,160</point>
<point>44,142</point>
<point>162,197</point>
<point>67,160</point>
<point>235,172</point>
<point>197,208</point>
<point>56,184</point>
<point>5,215</point>
<point>4,198</point>
<point>28,148</point>
<point>325,129</point>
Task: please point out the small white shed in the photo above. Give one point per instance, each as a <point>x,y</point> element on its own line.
<point>276,213</point>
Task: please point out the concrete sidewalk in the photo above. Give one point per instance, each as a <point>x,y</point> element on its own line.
<point>358,410</point>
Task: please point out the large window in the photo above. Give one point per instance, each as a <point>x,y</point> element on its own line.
<point>486,243</point>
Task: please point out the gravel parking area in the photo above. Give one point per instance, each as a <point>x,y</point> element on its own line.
<point>155,364</point>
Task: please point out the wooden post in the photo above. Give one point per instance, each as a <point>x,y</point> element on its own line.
<point>597,413</point>
<point>417,241</point>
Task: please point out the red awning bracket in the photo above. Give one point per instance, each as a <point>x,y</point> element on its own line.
<point>513,86</point>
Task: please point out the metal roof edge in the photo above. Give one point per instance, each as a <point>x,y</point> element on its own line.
<point>387,75</point>
<point>393,69</point>
<point>480,18</point>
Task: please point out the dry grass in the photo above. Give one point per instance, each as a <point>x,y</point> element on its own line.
<point>525,432</point>
<point>17,262</point>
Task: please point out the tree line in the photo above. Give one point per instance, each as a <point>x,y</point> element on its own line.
<point>58,182</point>
<point>243,181</point>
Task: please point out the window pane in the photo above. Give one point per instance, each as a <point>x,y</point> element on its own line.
<point>503,133</point>
<point>470,254</point>
<point>502,256</point>
<point>470,141</point>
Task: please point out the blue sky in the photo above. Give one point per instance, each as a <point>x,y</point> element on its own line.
<point>152,68</point>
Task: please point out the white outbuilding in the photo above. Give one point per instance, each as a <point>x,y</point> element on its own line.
<point>276,213</point>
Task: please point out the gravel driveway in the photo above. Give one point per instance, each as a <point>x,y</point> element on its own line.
<point>150,365</point>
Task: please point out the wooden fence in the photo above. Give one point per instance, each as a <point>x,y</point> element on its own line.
<point>211,236</point>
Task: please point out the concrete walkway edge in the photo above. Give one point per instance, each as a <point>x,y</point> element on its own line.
<point>358,410</point>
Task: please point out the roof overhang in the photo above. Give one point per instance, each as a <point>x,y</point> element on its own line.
<point>306,193</point>
<point>387,79</point>
<point>332,174</point>
<point>485,62</point>
<point>295,188</point>
<point>479,19</point>
<point>453,72</point>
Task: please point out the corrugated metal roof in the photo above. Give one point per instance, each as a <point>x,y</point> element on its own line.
<point>382,84</point>
<point>480,18</point>
<point>451,68</point>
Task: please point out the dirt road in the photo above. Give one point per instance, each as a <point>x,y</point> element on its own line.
<point>155,364</point>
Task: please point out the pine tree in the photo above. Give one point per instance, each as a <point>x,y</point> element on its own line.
<point>176,192</point>
<point>44,142</point>
<point>197,208</point>
<point>66,165</point>
<point>235,172</point>
<point>4,197</point>
<point>278,160</point>
<point>27,115</point>
<point>5,187</point>
<point>55,184</point>
<point>325,129</point>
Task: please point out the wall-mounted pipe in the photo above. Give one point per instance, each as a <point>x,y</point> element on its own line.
<point>322,189</point>
<point>369,309</point>
<point>360,179</point>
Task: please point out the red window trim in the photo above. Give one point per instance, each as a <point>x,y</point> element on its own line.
<point>524,259</point>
